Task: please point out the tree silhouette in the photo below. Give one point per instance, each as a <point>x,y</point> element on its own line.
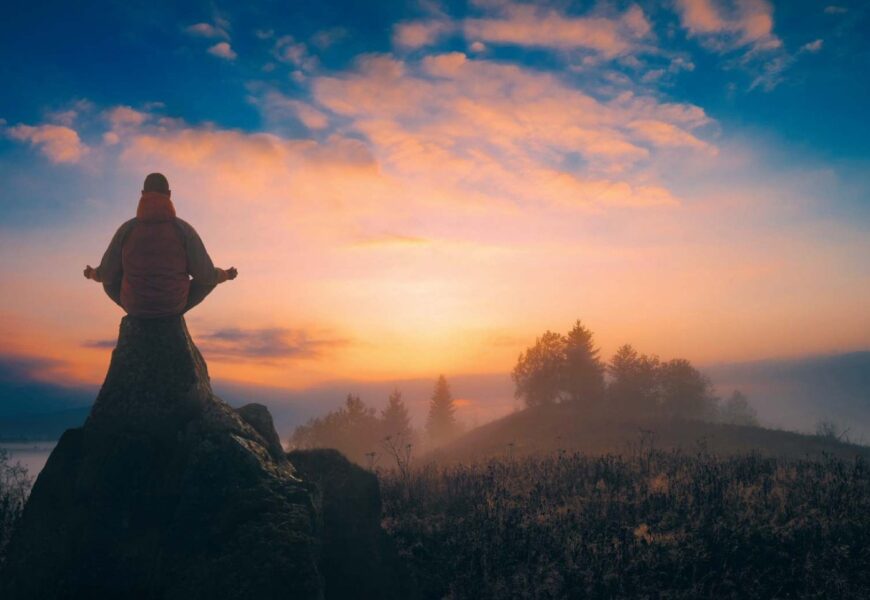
<point>634,386</point>
<point>441,423</point>
<point>538,372</point>
<point>394,418</point>
<point>14,489</point>
<point>738,411</point>
<point>568,369</point>
<point>398,436</point>
<point>560,368</point>
<point>583,371</point>
<point>357,412</point>
<point>353,429</point>
<point>685,392</point>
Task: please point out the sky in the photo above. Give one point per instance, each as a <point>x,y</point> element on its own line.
<point>415,188</point>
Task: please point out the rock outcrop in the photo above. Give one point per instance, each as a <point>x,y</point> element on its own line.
<point>358,559</point>
<point>166,492</point>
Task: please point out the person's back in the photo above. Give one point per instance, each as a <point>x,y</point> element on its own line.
<point>148,265</point>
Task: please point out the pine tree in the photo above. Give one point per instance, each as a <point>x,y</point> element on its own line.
<point>356,411</point>
<point>353,429</point>
<point>395,419</point>
<point>583,375</point>
<point>441,424</point>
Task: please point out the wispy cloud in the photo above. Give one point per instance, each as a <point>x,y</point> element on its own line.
<point>499,130</point>
<point>223,50</point>
<point>813,47</point>
<point>293,52</point>
<point>390,240</point>
<point>70,113</point>
<point>326,38</point>
<point>743,31</point>
<point>409,196</point>
<point>530,25</point>
<point>278,108</point>
<point>446,128</point>
<point>270,344</point>
<point>120,117</point>
<point>723,26</point>
<point>207,30</point>
<point>59,143</point>
<point>100,344</point>
<point>419,34</point>
<point>23,368</point>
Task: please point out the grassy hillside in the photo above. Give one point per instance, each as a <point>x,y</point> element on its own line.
<point>549,429</point>
<point>652,524</point>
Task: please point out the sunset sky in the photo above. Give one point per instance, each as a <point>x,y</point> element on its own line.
<point>415,188</point>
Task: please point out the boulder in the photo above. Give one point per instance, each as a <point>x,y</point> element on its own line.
<point>358,559</point>
<point>165,492</point>
<point>258,417</point>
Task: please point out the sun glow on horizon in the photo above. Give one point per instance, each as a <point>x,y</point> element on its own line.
<point>433,201</point>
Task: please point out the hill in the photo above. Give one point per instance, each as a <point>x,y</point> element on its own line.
<point>555,428</point>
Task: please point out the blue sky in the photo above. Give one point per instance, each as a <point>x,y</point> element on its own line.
<point>424,187</point>
<point>135,53</point>
<point>107,54</point>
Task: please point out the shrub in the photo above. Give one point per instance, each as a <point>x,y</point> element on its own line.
<point>14,488</point>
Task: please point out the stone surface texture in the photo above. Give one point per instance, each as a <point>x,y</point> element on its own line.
<point>166,492</point>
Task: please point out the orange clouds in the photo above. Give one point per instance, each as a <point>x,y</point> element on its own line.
<point>223,50</point>
<point>749,22</point>
<point>528,25</point>
<point>434,211</point>
<point>664,134</point>
<point>411,220</point>
<point>207,30</point>
<point>59,143</point>
<point>445,130</point>
<point>416,34</point>
<point>439,237</point>
<point>220,29</point>
<point>259,156</point>
<point>121,117</point>
<point>499,130</point>
<point>276,107</point>
<point>510,23</point>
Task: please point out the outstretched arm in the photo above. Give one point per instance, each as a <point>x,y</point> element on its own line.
<point>109,270</point>
<point>199,263</point>
<point>224,274</point>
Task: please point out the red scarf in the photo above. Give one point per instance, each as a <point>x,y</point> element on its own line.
<point>155,207</point>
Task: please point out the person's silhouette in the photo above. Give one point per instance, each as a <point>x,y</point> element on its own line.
<point>156,265</point>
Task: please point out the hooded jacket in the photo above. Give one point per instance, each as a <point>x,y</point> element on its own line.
<point>154,257</point>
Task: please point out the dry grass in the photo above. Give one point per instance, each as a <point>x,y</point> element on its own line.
<point>654,524</point>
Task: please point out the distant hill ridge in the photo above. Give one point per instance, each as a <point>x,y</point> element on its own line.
<point>561,427</point>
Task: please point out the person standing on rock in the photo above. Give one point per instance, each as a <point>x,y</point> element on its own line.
<point>156,264</point>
